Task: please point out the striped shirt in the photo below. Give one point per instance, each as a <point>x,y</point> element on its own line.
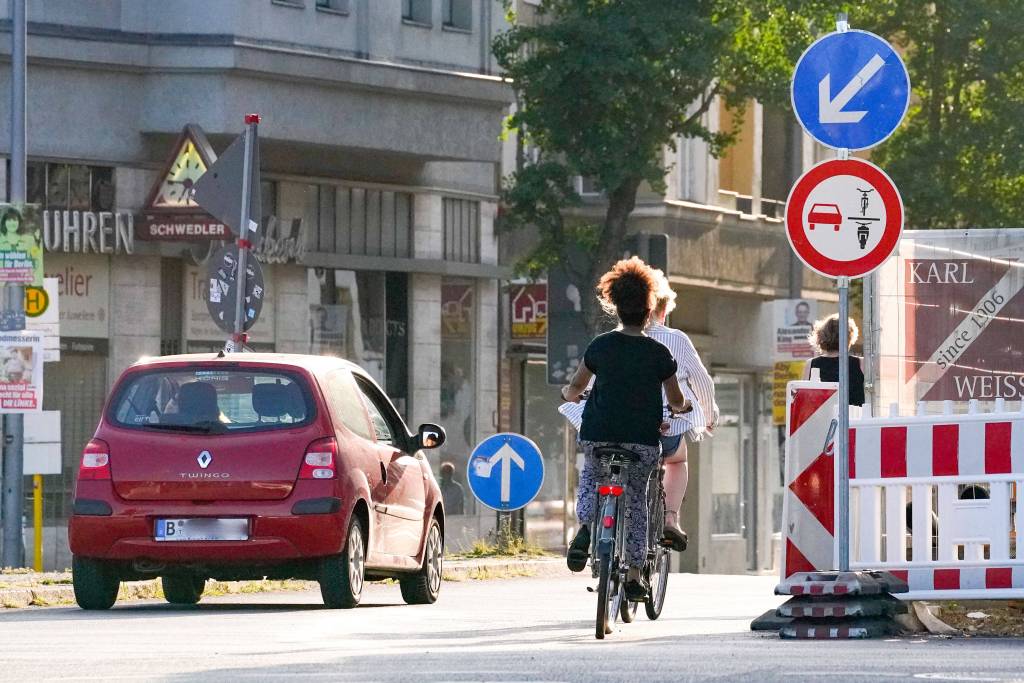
<point>693,378</point>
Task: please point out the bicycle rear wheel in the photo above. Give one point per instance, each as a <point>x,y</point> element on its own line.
<point>607,592</point>
<point>627,609</point>
<point>659,584</point>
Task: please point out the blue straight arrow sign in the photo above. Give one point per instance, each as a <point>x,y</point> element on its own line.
<point>505,471</point>
<point>850,90</point>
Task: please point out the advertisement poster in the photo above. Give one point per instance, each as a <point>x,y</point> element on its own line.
<point>951,318</point>
<point>328,325</point>
<point>793,321</point>
<point>456,311</point>
<point>21,372</point>
<point>529,304</point>
<point>21,245</point>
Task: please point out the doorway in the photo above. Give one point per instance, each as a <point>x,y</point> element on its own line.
<point>734,475</point>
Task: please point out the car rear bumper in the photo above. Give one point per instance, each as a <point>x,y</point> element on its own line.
<point>276,532</point>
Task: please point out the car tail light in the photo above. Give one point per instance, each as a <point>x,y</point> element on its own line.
<point>95,461</point>
<point>321,460</point>
<point>610,490</point>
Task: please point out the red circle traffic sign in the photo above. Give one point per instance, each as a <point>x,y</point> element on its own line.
<point>844,217</point>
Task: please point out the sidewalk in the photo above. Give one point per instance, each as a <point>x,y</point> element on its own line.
<point>23,588</point>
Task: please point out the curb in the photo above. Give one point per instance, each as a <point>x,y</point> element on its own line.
<point>18,597</point>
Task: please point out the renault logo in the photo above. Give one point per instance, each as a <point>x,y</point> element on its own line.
<point>204,459</point>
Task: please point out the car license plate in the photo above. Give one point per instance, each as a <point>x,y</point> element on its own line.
<point>202,529</point>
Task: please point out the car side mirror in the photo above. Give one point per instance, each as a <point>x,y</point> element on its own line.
<point>430,436</point>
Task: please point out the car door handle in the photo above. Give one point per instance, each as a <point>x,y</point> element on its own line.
<point>380,508</point>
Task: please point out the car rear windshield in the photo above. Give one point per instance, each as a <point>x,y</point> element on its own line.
<point>217,400</point>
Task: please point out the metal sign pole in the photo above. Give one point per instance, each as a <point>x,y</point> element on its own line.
<point>13,451</point>
<point>843,469</point>
<point>843,466</point>
<point>238,338</point>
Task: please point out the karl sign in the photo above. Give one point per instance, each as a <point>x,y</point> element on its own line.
<point>850,90</point>
<point>844,218</point>
<point>505,471</point>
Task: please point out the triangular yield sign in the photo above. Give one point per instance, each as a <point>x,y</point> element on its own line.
<point>191,157</point>
<point>220,190</point>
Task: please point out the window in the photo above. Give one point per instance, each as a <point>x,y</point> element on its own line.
<point>417,11</point>
<point>382,416</point>
<point>462,230</point>
<point>70,186</point>
<point>333,5</point>
<point>213,400</point>
<point>343,396</point>
<point>458,14</point>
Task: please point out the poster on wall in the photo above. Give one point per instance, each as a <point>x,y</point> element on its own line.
<point>21,372</point>
<point>793,320</point>
<point>456,311</point>
<point>21,245</point>
<point>529,310</point>
<point>951,318</point>
<point>328,325</point>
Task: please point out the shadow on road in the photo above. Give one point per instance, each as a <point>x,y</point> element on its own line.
<point>153,609</point>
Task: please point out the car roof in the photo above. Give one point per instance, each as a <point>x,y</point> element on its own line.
<point>313,363</point>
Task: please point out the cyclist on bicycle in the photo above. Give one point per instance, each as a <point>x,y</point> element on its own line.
<point>624,408</point>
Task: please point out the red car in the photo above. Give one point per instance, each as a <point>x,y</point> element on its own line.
<point>248,466</point>
<point>828,214</point>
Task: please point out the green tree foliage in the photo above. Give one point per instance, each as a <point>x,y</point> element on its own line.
<point>604,86</point>
<point>958,158</point>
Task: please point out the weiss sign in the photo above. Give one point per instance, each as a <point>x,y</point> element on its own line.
<point>951,311</point>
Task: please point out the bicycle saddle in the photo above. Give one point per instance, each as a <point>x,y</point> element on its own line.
<point>615,452</point>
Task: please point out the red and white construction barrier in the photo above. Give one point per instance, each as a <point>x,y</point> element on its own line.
<point>962,475</point>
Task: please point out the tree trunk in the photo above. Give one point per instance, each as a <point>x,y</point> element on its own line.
<point>621,202</point>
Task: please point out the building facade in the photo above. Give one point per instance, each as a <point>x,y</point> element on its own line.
<point>380,159</point>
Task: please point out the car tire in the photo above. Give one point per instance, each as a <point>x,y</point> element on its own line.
<point>342,576</point>
<point>95,582</point>
<point>423,587</point>
<point>183,589</point>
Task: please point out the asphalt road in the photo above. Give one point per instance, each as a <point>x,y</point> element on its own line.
<point>529,629</point>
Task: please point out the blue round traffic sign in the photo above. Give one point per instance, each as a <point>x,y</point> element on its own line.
<point>850,90</point>
<point>505,471</point>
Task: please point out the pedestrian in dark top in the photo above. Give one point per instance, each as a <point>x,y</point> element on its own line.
<point>452,494</point>
<point>825,338</point>
<point>624,409</point>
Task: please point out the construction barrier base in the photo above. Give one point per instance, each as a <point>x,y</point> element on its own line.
<point>840,605</point>
<point>838,629</point>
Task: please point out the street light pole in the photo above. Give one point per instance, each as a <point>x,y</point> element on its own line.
<point>13,552</point>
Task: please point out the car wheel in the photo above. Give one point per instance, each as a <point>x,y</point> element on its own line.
<point>183,589</point>
<point>95,583</point>
<point>342,576</point>
<point>423,587</point>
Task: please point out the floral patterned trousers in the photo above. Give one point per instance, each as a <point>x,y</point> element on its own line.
<point>636,494</point>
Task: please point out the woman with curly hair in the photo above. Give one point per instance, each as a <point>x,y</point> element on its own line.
<point>624,409</point>
<point>825,339</point>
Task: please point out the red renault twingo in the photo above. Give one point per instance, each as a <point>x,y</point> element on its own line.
<point>255,465</point>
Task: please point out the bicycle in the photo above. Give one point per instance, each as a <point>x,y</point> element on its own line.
<point>608,545</point>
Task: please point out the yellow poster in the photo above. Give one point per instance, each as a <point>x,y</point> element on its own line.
<point>785,372</point>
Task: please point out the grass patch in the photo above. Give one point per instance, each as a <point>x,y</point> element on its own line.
<point>515,547</point>
<point>55,582</point>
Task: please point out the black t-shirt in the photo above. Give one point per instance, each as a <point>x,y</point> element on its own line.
<point>625,403</point>
<point>828,369</point>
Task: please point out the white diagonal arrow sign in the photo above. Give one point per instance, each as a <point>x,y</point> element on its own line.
<point>830,110</point>
<point>506,455</point>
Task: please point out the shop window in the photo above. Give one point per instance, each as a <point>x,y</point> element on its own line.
<point>458,14</point>
<point>458,379</point>
<point>74,187</point>
<point>363,317</point>
<point>461,230</point>
<point>417,11</point>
